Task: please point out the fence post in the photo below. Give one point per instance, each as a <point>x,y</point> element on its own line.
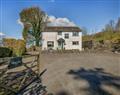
<point>39,60</point>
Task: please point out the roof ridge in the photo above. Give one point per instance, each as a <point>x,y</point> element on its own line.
<point>62,28</point>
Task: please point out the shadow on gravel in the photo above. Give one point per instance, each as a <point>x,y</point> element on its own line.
<point>96,78</point>
<point>62,93</point>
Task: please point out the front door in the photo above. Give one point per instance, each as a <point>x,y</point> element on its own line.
<point>60,45</point>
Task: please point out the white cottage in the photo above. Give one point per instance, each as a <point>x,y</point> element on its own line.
<point>62,38</point>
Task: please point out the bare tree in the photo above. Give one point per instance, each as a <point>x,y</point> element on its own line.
<point>110,27</point>
<point>84,31</point>
<point>117,27</point>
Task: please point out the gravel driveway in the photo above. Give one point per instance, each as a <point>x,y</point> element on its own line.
<point>82,73</point>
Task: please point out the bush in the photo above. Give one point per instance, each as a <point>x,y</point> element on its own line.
<point>5,52</point>
<point>17,46</point>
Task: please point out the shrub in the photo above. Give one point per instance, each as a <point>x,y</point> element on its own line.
<point>5,52</point>
<point>17,46</point>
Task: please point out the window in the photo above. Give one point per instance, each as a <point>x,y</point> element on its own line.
<point>66,36</point>
<point>75,43</point>
<point>50,43</point>
<point>75,33</point>
<point>60,33</point>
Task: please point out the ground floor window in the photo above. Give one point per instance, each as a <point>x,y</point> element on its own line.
<point>50,44</point>
<point>75,43</point>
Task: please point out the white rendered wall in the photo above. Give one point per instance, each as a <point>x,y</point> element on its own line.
<point>49,36</point>
<point>72,38</point>
<point>53,36</point>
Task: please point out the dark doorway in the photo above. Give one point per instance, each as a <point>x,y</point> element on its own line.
<point>61,43</point>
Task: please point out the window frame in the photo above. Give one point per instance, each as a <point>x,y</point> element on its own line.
<point>52,44</point>
<point>59,32</point>
<point>66,37</point>
<point>75,34</point>
<point>75,43</point>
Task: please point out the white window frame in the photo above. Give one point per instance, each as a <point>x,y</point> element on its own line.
<point>50,43</point>
<point>59,32</point>
<point>75,42</point>
<point>67,35</point>
<point>75,34</point>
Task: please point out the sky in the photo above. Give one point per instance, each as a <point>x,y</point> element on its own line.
<point>92,14</point>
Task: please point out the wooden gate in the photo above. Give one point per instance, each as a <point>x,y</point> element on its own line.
<point>18,76</point>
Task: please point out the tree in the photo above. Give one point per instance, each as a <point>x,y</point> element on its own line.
<point>110,27</point>
<point>117,26</point>
<point>25,32</point>
<point>84,31</point>
<point>34,21</point>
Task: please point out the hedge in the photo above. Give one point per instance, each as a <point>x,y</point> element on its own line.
<point>5,52</point>
<point>17,46</point>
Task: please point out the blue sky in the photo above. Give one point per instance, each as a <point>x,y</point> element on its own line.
<point>92,14</point>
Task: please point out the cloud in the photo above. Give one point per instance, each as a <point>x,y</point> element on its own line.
<point>53,21</point>
<point>19,22</point>
<point>2,34</point>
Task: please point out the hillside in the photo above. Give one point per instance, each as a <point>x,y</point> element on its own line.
<point>105,36</point>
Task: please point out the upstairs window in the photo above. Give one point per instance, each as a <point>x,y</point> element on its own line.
<point>66,36</point>
<point>60,33</point>
<point>75,43</point>
<point>75,33</point>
